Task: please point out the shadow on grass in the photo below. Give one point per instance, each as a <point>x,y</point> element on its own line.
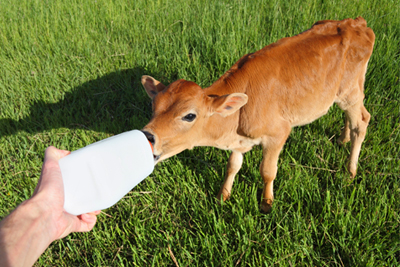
<point>113,103</point>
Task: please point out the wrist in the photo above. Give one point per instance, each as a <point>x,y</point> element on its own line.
<point>38,212</point>
<point>39,219</point>
<point>24,235</point>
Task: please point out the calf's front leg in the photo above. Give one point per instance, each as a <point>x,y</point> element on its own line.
<point>272,146</point>
<point>234,165</point>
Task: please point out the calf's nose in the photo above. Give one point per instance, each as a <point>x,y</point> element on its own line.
<point>149,137</point>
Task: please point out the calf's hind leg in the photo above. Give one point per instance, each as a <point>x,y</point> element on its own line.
<point>345,136</point>
<point>358,119</point>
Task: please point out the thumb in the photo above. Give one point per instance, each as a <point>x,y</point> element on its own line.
<point>55,153</point>
<point>51,173</point>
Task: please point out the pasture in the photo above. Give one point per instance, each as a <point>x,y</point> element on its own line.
<point>70,75</point>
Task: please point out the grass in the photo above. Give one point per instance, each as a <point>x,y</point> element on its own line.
<point>70,75</point>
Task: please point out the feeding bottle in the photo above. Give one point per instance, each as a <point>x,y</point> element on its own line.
<point>97,176</point>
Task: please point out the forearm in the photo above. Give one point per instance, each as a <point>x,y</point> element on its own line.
<point>24,235</point>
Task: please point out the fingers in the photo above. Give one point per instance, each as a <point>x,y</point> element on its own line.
<point>80,223</point>
<point>88,218</point>
<point>97,212</point>
<point>87,222</point>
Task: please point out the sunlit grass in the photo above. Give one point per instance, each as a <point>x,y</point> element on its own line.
<point>70,75</point>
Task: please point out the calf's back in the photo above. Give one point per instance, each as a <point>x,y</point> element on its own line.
<point>297,79</point>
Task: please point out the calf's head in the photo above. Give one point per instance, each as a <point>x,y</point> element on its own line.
<point>184,115</point>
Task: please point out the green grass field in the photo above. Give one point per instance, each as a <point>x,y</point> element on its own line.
<point>70,75</point>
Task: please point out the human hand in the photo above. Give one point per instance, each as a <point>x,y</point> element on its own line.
<point>49,196</point>
<point>27,231</point>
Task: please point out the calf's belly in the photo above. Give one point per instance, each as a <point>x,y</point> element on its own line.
<point>299,121</point>
<point>307,112</point>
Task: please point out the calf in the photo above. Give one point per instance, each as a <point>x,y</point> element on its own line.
<point>264,95</point>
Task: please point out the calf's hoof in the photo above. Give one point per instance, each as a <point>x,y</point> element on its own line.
<point>223,195</point>
<point>352,168</point>
<point>266,205</point>
<point>342,140</point>
<point>222,198</point>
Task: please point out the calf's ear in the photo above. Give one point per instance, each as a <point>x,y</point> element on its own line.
<point>228,104</point>
<point>152,86</point>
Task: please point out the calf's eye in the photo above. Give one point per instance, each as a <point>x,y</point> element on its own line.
<point>189,117</point>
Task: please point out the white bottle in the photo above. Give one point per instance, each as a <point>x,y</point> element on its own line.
<point>99,175</point>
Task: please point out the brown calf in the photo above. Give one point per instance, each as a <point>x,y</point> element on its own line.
<point>264,95</point>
